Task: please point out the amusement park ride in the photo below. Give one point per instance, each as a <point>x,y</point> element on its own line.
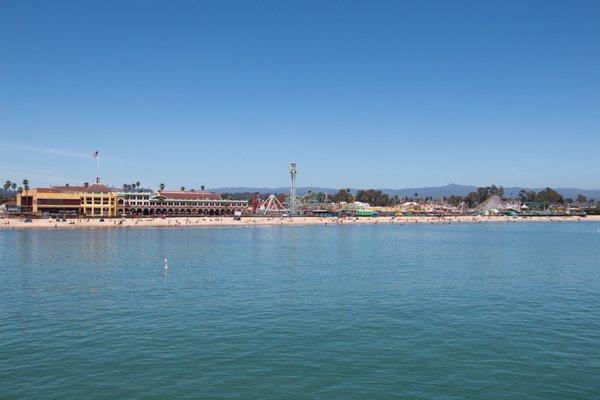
<point>287,205</point>
<point>271,205</point>
<point>275,204</point>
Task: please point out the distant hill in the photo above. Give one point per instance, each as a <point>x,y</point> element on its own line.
<point>249,189</point>
<point>566,192</point>
<point>435,191</point>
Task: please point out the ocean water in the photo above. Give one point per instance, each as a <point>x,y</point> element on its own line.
<point>491,311</point>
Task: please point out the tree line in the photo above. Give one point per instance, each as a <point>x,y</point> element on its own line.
<point>477,196</point>
<point>546,196</point>
<point>379,199</point>
<point>12,188</point>
<point>374,197</point>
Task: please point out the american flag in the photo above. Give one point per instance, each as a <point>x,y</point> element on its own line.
<point>95,155</point>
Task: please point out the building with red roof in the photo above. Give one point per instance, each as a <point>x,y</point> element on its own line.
<point>98,200</point>
<point>176,203</point>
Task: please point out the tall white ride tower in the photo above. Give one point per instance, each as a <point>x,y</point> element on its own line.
<point>293,172</point>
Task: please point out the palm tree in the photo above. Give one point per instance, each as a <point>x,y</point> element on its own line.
<point>137,184</point>
<point>6,188</point>
<point>161,186</point>
<point>26,184</point>
<point>13,186</point>
<point>20,189</point>
<point>202,188</point>
<point>183,188</point>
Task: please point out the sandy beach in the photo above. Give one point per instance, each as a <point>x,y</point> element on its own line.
<point>181,222</point>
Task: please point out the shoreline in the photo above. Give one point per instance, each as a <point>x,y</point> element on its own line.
<point>7,224</point>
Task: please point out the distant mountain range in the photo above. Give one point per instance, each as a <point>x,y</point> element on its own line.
<point>435,192</point>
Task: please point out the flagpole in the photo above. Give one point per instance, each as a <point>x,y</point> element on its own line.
<point>98,169</point>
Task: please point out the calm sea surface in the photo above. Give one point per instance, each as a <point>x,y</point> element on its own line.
<point>496,311</point>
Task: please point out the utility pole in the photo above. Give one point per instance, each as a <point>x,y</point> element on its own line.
<point>293,172</point>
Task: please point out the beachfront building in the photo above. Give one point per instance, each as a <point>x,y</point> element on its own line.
<point>131,201</point>
<point>176,203</point>
<point>94,200</point>
<point>98,200</point>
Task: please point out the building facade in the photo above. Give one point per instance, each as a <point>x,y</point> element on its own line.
<point>88,200</point>
<point>176,203</point>
<point>101,201</point>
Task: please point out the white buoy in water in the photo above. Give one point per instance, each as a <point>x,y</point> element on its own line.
<point>166,264</point>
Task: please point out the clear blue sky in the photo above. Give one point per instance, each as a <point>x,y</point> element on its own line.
<point>360,94</point>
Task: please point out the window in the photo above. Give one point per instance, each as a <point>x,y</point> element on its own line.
<point>59,202</point>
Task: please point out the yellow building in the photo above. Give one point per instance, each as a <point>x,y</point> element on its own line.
<point>90,200</point>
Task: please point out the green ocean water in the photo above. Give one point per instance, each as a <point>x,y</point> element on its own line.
<point>490,311</point>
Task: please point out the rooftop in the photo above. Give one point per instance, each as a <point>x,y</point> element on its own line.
<point>94,188</point>
<point>189,195</point>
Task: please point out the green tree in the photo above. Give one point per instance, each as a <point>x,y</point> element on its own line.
<point>373,197</point>
<point>322,197</point>
<point>455,200</point>
<point>183,188</point>
<point>482,194</point>
<point>581,199</point>
<point>161,186</point>
<point>202,188</point>
<point>6,195</point>
<point>549,196</point>
<point>343,195</point>
<point>526,196</point>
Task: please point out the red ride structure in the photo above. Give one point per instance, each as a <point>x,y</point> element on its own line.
<point>255,202</point>
<point>272,205</point>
